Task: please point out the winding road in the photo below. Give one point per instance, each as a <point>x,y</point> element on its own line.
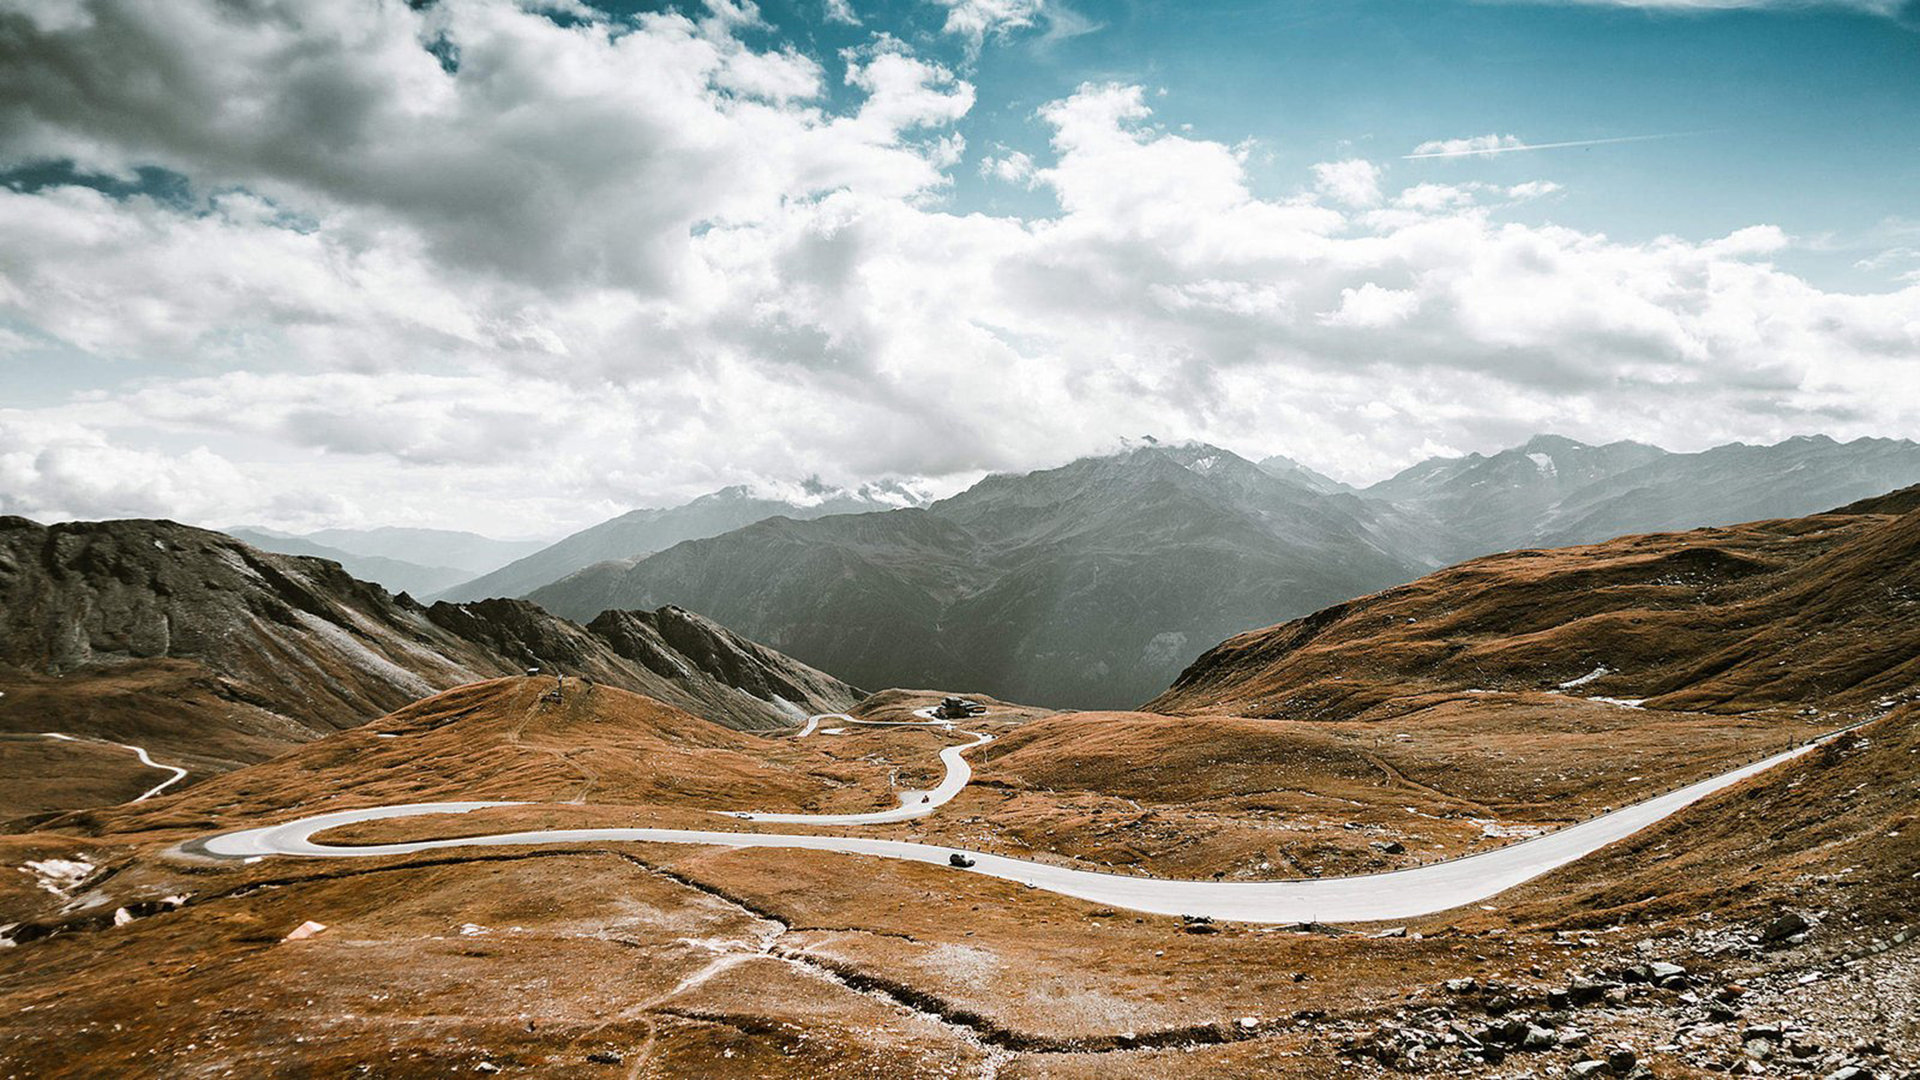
<point>1398,894</point>
<point>913,804</point>
<point>179,773</point>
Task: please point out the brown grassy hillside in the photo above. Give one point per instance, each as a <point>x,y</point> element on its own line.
<point>1820,612</point>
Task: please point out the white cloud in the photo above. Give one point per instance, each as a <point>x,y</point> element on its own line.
<point>602,266</point>
<point>1353,182</point>
<point>841,11</point>
<point>1371,306</point>
<point>976,20</point>
<point>56,469</point>
<point>1533,189</point>
<point>1009,166</point>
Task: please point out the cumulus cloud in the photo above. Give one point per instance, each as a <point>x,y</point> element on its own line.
<point>1009,166</point>
<point>469,266</point>
<point>1354,182</point>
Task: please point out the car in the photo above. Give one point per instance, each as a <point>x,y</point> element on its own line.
<point>959,860</point>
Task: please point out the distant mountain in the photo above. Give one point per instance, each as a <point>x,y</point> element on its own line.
<point>1083,585</point>
<point>1090,584</point>
<point>1478,504</point>
<point>396,575</point>
<point>1554,491</point>
<point>1731,484</point>
<point>211,653</point>
<point>1285,468</point>
<point>639,533</point>
<point>466,551</point>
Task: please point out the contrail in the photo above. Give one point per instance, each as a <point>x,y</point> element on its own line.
<point>1477,151</point>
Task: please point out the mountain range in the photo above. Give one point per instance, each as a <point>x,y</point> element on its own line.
<point>420,562</point>
<point>1092,585</point>
<point>637,533</point>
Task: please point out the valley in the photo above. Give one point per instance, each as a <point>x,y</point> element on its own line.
<point>1328,845</point>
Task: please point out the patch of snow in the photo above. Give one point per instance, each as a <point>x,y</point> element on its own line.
<point>833,731</point>
<point>1625,703</point>
<point>59,876</point>
<point>1545,464</point>
<point>1205,465</point>
<point>1587,678</point>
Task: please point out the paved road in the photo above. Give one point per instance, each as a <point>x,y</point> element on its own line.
<point>1399,894</point>
<point>178,772</point>
<point>913,804</point>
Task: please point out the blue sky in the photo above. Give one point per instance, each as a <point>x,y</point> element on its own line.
<point>1805,117</point>
<point>517,266</point>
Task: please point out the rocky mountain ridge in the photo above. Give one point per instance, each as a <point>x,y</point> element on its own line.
<point>1092,584</point>
<point>193,643</point>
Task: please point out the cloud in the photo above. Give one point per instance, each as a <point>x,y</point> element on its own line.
<point>1491,145</point>
<point>658,125</point>
<point>841,11</point>
<point>976,20</point>
<point>1372,306</point>
<point>58,470</point>
<point>598,266</point>
<point>1353,182</point>
<point>1009,166</point>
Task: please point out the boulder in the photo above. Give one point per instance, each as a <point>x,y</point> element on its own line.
<point>1785,926</point>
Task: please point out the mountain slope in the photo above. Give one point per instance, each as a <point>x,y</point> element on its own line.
<point>212,653</point>
<point>1821,610</point>
<point>638,533</point>
<point>1089,584</point>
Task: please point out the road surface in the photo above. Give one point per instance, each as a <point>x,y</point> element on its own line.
<point>1399,894</point>
<point>913,804</point>
<point>178,772</point>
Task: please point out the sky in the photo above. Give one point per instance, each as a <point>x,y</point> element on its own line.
<point>515,267</point>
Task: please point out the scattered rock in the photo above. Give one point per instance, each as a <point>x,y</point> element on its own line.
<point>1788,925</point>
